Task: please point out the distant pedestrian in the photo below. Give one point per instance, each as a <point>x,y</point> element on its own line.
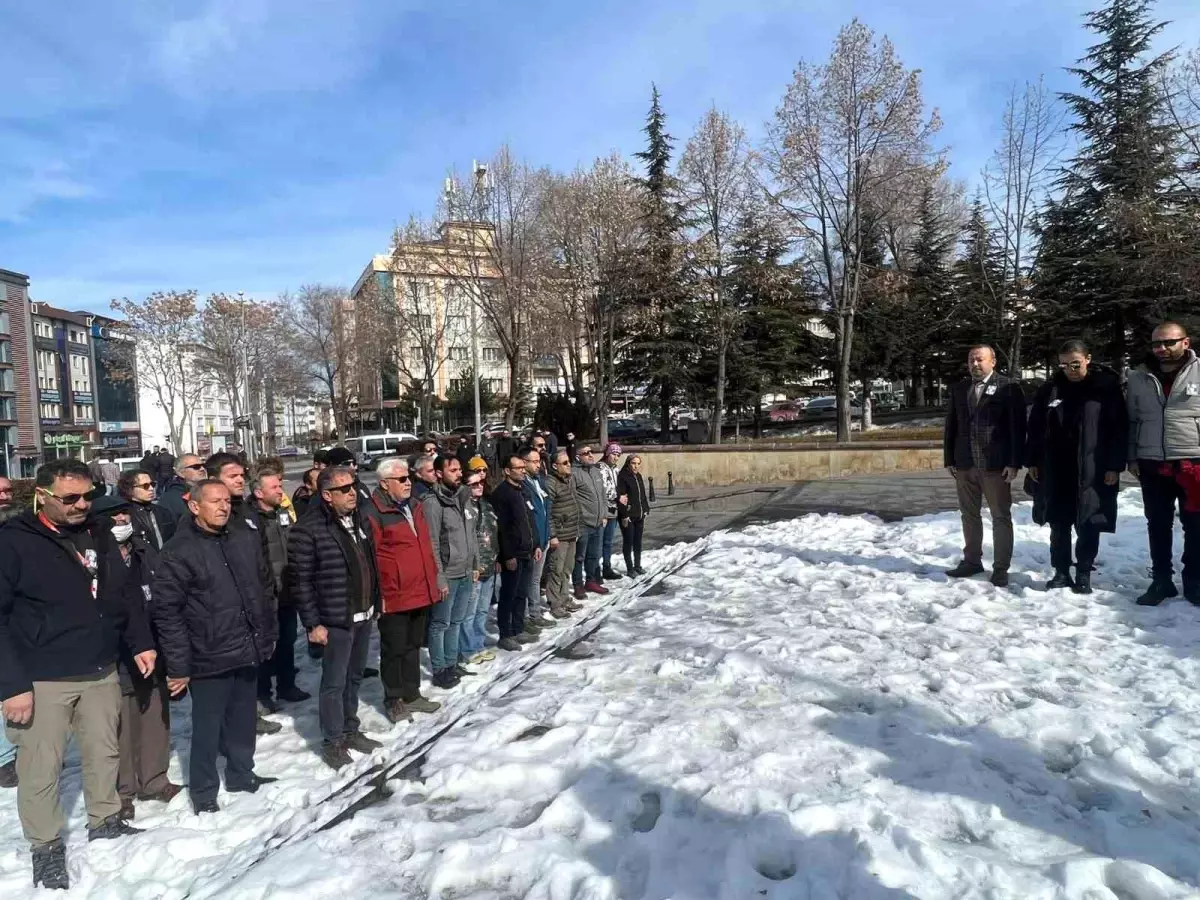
<point>1163,398</point>
<point>216,621</point>
<point>983,447</point>
<point>110,472</point>
<point>634,506</point>
<point>164,469</point>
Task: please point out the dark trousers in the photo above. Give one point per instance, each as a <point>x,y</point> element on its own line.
<point>282,665</point>
<point>510,612</point>
<point>341,674</point>
<point>631,543</point>
<point>974,486</point>
<point>1086,547</point>
<point>401,635</point>
<point>223,718</point>
<point>1161,494</point>
<point>145,737</point>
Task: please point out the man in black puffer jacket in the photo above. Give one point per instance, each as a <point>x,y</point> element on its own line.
<point>334,583</point>
<point>215,612</point>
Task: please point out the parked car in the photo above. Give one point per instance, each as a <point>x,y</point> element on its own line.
<point>631,430</point>
<point>370,448</point>
<point>826,408</point>
<point>784,412</point>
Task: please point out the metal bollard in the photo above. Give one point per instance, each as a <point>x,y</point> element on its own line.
<point>670,484</point>
<point>652,495</point>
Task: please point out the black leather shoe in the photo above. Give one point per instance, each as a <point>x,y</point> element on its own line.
<point>205,806</point>
<point>1060,580</point>
<point>1160,589</point>
<point>112,827</point>
<point>293,695</point>
<point>965,570</point>
<point>999,579</point>
<point>251,786</point>
<point>1083,582</point>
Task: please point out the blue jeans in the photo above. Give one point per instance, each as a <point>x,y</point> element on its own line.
<point>473,636</point>
<point>587,555</point>
<point>445,624</point>
<point>7,751</point>
<point>610,531</point>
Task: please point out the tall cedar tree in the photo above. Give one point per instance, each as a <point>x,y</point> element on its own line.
<point>930,298</point>
<point>653,326</point>
<point>977,277</point>
<point>879,340</point>
<point>1106,240</point>
<point>772,303</point>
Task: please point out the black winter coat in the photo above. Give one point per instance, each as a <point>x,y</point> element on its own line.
<point>633,486</point>
<point>50,625</point>
<point>997,425</point>
<point>319,567</point>
<point>171,499</point>
<point>145,516</point>
<point>515,523</point>
<point>1077,432</point>
<point>214,602</point>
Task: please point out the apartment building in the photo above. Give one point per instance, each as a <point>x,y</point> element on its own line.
<point>19,434</point>
<point>66,387</point>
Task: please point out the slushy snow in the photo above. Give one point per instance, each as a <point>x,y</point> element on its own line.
<point>808,709</point>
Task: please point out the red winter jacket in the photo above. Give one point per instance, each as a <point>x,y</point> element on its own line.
<point>407,571</point>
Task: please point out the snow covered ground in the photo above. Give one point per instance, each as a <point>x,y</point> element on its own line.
<point>826,428</point>
<point>809,709</point>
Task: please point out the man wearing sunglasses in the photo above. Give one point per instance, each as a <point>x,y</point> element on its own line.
<point>189,470</point>
<point>1163,398</point>
<point>593,504</point>
<point>66,601</point>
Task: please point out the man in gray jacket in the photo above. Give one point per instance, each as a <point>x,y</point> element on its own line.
<point>589,487</point>
<point>452,531</point>
<point>1163,396</point>
<point>564,535</point>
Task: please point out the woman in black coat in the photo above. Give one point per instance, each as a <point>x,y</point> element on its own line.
<point>1075,452</point>
<point>635,506</point>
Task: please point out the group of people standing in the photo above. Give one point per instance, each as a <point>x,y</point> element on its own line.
<point>1085,427</point>
<point>113,606</point>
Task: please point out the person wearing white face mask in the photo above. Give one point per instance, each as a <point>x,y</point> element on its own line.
<point>144,735</point>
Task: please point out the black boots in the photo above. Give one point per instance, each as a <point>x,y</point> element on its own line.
<point>1083,581</point>
<point>1161,588</point>
<point>965,570</point>
<point>50,866</point>
<point>1061,579</point>
<point>611,574</point>
<point>112,827</point>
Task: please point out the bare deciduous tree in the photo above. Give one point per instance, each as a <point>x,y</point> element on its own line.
<point>714,176</point>
<point>166,330</point>
<point>322,320</point>
<point>845,131</point>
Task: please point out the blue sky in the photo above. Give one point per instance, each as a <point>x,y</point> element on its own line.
<point>258,145</point>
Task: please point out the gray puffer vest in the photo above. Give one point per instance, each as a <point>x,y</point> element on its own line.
<point>1164,427</point>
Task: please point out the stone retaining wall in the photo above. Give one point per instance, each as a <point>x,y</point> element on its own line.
<point>708,465</point>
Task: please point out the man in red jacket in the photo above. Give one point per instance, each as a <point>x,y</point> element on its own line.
<point>408,588</point>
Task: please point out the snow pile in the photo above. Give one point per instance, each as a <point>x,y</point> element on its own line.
<point>808,710</point>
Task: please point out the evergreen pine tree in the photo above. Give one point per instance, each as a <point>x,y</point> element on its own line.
<point>930,299</point>
<point>977,279</point>
<point>659,346</point>
<point>1106,240</point>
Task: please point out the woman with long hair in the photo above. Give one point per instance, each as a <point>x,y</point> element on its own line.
<point>1075,451</point>
<point>633,507</point>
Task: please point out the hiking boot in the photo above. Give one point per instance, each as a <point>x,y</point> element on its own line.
<point>112,827</point>
<point>573,607</point>
<point>595,587</point>
<point>356,740</point>
<point>559,612</point>
<point>532,627</point>
<point>541,621</point>
<point>1160,589</point>
<point>50,866</point>
<point>999,579</point>
<point>164,795</point>
<point>512,645</point>
<point>265,726</point>
<point>611,574</point>
<point>580,592</point>
<point>638,568</point>
<point>335,755</point>
<point>445,679</point>
<point>251,786</point>
<point>397,711</point>
<point>1083,581</point>
<point>424,705</point>
<point>293,695</point>
<point>1060,580</point>
<point>524,638</point>
<point>205,806</point>
<point>965,570</point>
<point>8,775</point>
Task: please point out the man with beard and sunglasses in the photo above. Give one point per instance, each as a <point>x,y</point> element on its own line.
<point>66,602</point>
<point>1163,400</point>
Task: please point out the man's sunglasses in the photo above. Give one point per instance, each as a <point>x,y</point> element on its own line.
<point>343,489</point>
<point>403,479</point>
<point>199,466</point>
<point>1167,342</point>
<point>145,485</point>
<point>72,499</point>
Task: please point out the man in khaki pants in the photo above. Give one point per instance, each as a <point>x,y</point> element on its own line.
<point>66,602</point>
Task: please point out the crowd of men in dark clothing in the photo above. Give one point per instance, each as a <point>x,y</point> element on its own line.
<point>198,583</point>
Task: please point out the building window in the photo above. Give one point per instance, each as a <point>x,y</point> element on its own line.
<point>5,324</point>
<point>494,385</point>
<point>424,323</point>
<point>208,406</point>
<point>76,336</point>
<point>50,411</point>
<point>80,380</point>
<point>5,352</point>
<point>491,354</point>
<point>8,409</point>
<point>84,413</point>
<point>47,370</point>
<point>42,329</point>
<point>226,423</point>
<point>456,386</point>
<point>458,354</point>
<point>416,353</point>
<point>456,324</point>
<point>6,380</point>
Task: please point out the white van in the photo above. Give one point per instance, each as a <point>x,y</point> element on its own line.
<point>370,448</point>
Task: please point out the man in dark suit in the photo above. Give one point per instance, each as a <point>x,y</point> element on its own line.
<point>983,446</point>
